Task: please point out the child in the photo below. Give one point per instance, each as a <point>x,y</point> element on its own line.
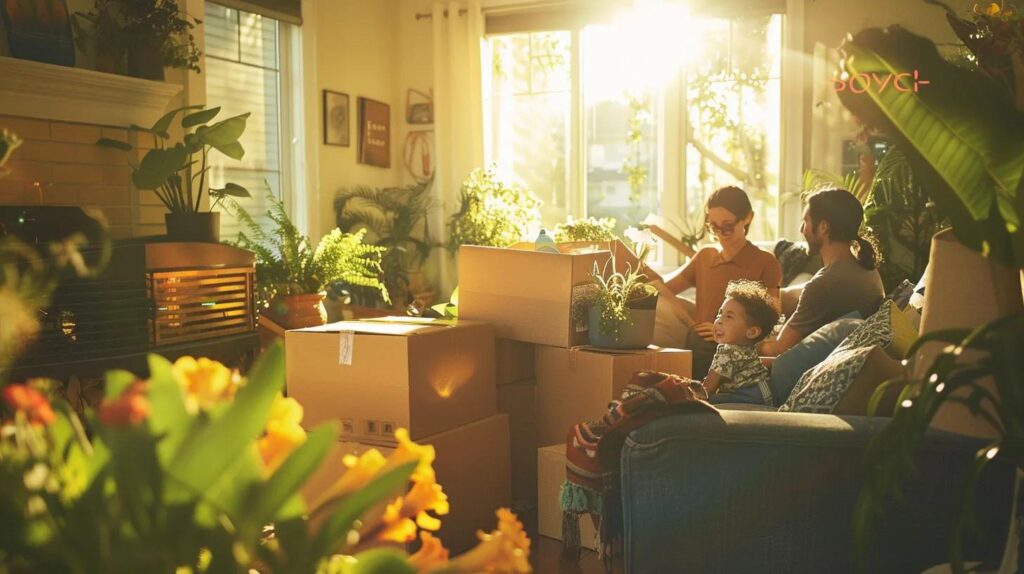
<point>746,317</point>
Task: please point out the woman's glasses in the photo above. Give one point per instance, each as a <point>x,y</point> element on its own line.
<point>725,228</point>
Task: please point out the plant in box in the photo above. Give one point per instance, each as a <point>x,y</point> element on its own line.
<point>177,173</point>
<point>292,277</point>
<point>619,306</point>
<point>492,212</point>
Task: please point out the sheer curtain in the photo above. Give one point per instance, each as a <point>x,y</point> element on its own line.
<point>458,115</point>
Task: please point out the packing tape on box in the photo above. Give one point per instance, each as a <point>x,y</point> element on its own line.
<point>346,341</point>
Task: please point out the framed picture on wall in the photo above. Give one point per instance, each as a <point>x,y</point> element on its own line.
<point>336,118</point>
<point>374,133</point>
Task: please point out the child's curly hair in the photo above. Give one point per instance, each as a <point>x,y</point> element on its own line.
<point>758,304</point>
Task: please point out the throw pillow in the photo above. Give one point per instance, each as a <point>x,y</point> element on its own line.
<point>878,368</point>
<point>904,330</point>
<point>875,330</point>
<point>901,294</point>
<point>821,388</point>
<point>789,366</point>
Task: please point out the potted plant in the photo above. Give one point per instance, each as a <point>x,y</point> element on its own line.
<point>396,219</point>
<point>292,277</point>
<point>586,229</point>
<point>177,173</point>
<point>619,307</point>
<point>492,212</point>
<point>139,37</point>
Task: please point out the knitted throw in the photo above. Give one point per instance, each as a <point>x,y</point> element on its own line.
<point>593,449</point>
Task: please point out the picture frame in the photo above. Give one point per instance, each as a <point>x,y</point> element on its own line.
<point>337,114</point>
<point>374,133</point>
<point>419,107</point>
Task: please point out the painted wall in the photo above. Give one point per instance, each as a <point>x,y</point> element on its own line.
<point>355,53</point>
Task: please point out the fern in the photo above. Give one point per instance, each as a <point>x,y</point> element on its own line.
<point>286,263</point>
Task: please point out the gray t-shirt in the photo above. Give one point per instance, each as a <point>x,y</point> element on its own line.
<point>834,291</point>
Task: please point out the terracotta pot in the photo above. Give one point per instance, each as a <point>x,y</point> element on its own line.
<point>298,311</point>
<point>200,226</point>
<point>963,290</point>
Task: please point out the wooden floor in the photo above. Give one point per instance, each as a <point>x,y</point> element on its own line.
<point>546,558</point>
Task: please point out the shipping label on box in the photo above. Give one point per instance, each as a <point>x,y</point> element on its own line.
<point>550,476</point>
<point>374,376</point>
<point>472,467</point>
<point>576,385</point>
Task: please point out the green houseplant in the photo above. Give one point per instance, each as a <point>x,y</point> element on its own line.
<point>177,172</point>
<point>492,212</point>
<point>292,277</point>
<point>396,219</point>
<point>139,37</point>
<point>586,229</point>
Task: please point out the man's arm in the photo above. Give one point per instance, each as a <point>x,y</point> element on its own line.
<point>787,338</point>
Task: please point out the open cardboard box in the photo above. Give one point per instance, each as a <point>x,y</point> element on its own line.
<point>576,385</point>
<point>527,295</point>
<point>376,375</point>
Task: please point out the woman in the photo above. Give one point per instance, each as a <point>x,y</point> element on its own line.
<point>727,215</point>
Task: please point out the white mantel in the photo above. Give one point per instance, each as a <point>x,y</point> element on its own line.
<point>45,91</point>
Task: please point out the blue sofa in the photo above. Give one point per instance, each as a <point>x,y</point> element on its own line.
<point>774,492</point>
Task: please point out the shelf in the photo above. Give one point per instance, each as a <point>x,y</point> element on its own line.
<point>49,92</point>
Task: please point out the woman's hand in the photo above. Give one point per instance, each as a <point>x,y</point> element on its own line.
<point>705,330</point>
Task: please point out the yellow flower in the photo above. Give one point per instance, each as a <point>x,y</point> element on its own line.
<point>431,555</point>
<point>204,382</point>
<point>283,433</point>
<point>408,451</point>
<point>506,549</point>
<point>397,521</point>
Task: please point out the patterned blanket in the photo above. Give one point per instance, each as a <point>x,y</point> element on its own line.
<point>593,449</point>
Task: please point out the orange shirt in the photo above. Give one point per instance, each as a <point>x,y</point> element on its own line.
<point>710,274</point>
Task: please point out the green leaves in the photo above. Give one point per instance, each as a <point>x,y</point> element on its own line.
<point>116,144</point>
<point>230,189</point>
<point>223,132</point>
<point>158,165</point>
<point>194,119</point>
<point>960,130</point>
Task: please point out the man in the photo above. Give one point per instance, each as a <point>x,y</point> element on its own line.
<point>849,280</point>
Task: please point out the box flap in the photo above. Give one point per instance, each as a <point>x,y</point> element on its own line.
<point>371,328</point>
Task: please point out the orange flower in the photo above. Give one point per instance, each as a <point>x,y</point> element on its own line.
<point>283,433</point>
<point>204,382</point>
<point>506,549</point>
<point>129,409</point>
<point>431,555</point>
<point>24,398</point>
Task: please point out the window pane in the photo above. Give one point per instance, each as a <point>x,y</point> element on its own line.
<point>528,115</point>
<point>220,27</point>
<point>620,127</point>
<point>252,86</point>
<point>733,112</point>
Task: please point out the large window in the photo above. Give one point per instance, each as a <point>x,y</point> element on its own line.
<point>245,59</point>
<point>613,122</point>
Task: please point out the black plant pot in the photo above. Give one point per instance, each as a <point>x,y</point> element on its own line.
<point>199,226</point>
<point>144,61</point>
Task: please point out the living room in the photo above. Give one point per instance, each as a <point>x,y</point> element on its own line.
<point>511,285</point>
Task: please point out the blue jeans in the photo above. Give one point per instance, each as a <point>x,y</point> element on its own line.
<point>746,395</point>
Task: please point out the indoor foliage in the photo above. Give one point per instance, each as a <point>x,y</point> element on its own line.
<point>614,292</point>
<point>197,470</point>
<point>586,229</point>
<point>286,263</point>
<point>174,172</point>
<point>492,212</point>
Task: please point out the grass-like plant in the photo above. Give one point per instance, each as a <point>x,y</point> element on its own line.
<point>286,263</point>
<point>586,229</point>
<point>614,293</point>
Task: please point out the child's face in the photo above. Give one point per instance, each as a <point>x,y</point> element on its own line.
<point>732,326</point>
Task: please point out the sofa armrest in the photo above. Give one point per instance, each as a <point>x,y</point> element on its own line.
<point>775,492</point>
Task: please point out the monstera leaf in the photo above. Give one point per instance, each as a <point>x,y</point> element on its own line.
<point>960,131</point>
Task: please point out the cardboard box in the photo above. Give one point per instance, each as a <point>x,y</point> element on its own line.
<point>527,295</point>
<point>519,402</point>
<point>550,476</point>
<point>576,385</point>
<point>472,466</point>
<point>380,374</point>
<point>513,361</point>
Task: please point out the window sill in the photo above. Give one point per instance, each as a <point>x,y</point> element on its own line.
<point>49,92</point>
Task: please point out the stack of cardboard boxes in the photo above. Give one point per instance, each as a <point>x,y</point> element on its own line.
<point>527,296</point>
<point>434,378</point>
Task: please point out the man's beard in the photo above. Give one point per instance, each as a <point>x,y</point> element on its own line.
<point>813,245</point>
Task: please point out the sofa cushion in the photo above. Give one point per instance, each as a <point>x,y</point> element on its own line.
<point>875,330</point>
<point>789,366</point>
<point>820,389</point>
<point>904,323</point>
<point>878,368</point>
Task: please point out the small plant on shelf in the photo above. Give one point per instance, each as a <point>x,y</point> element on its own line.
<point>586,229</point>
<point>290,274</point>
<point>493,213</point>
